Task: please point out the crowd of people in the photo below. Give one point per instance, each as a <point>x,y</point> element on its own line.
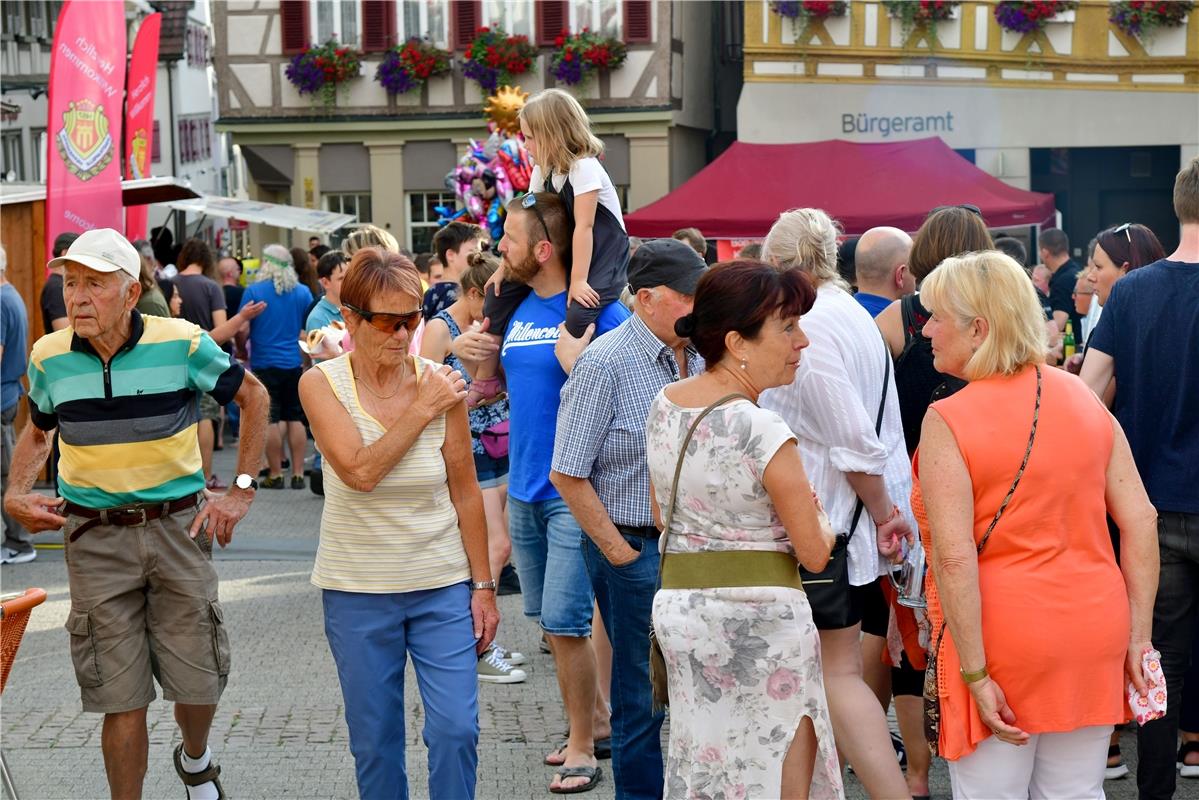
<point>706,477</point>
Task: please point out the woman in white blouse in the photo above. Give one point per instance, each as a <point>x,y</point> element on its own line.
<point>832,407</point>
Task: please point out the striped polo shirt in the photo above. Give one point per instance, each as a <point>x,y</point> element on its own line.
<point>127,429</point>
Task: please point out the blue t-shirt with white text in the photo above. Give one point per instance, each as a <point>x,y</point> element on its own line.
<point>275,333</point>
<point>535,380</point>
<point>1150,328</point>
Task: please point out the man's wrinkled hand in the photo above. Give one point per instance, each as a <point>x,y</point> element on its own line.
<point>36,512</point>
<point>221,512</point>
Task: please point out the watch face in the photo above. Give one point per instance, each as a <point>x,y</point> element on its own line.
<point>244,481</point>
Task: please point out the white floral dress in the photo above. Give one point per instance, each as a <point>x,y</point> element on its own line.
<point>743,664</point>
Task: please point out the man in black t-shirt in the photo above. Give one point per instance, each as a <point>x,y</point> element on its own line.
<point>1055,255</point>
<point>54,308</point>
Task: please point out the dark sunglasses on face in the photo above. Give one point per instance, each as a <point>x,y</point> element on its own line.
<point>387,321</point>
<point>973,209</point>
<point>530,201</point>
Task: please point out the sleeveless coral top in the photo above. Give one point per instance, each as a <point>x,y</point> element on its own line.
<point>1055,614</point>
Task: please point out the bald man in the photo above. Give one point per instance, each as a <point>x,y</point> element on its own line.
<point>881,263</point>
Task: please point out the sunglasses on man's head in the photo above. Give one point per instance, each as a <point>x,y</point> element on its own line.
<point>973,209</point>
<point>387,321</point>
<point>529,201</point>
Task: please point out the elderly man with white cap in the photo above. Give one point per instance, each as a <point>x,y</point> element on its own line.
<point>138,525</point>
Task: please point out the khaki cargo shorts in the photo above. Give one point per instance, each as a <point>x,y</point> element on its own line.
<point>144,606</point>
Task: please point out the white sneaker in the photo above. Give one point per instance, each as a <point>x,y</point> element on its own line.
<point>494,669</point>
<point>1116,772</point>
<point>511,656</point>
<point>11,555</point>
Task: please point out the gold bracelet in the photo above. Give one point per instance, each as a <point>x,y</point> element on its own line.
<point>976,676</point>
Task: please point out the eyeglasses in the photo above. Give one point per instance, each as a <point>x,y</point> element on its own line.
<point>1126,230</point>
<point>387,321</point>
<point>529,201</point>
<point>973,209</point>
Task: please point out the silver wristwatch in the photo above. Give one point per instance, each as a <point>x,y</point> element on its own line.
<point>477,585</point>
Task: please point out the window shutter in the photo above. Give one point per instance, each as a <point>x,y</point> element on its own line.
<point>637,26</point>
<point>378,25</point>
<point>293,23</point>
<point>553,17</point>
<point>467,18</point>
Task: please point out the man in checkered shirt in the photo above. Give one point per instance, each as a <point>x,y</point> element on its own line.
<point>599,468</point>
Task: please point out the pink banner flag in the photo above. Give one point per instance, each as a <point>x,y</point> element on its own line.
<point>139,116</point>
<point>87,80</point>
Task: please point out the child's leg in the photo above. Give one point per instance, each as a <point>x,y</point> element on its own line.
<point>498,310</point>
<point>578,317</point>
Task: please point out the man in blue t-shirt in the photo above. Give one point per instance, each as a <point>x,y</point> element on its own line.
<point>1147,341</point>
<point>881,268</point>
<point>546,539</point>
<point>14,358</point>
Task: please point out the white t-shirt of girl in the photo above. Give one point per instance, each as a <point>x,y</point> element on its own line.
<point>586,175</point>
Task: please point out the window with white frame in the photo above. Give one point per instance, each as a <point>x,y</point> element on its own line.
<point>358,204</point>
<point>424,19</point>
<point>335,19</point>
<point>516,16</point>
<point>600,16</point>
<point>13,166</point>
<point>37,136</point>
<point>423,216</point>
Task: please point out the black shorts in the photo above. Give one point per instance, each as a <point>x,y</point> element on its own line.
<point>906,680</point>
<point>283,385</point>
<point>869,605</point>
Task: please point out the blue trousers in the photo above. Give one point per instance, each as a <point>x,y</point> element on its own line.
<point>371,636</point>
<point>625,596</point>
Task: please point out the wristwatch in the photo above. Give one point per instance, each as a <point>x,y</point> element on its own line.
<point>477,585</point>
<point>245,481</point>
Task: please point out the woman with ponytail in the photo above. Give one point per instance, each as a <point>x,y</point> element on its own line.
<point>843,409</point>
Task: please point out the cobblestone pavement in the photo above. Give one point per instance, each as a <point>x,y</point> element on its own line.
<point>279,731</point>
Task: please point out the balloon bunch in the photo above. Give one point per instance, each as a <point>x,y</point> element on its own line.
<point>486,179</point>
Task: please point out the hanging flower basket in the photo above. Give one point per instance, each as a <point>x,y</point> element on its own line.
<point>580,55</point>
<point>914,14</point>
<point>800,11</point>
<point>495,59</point>
<point>1141,17</point>
<point>319,71</point>
<point>407,66</point>
<point>1024,17</point>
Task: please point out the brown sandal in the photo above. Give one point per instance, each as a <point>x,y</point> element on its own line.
<point>213,774</point>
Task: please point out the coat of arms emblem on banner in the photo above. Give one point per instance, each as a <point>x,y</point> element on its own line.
<point>84,141</point>
<point>139,155</point>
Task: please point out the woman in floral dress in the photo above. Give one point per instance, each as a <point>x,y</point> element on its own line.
<point>749,716</point>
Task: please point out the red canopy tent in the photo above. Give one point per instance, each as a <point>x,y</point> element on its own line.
<point>741,193</point>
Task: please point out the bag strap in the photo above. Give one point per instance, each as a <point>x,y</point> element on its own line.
<point>878,429</point>
<point>907,310</point>
<point>678,469</point>
<point>1036,415</point>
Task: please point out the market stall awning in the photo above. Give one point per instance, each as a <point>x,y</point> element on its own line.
<point>140,192</point>
<point>273,214</point>
<point>742,193</point>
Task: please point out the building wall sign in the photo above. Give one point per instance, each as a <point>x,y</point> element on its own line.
<point>885,126</point>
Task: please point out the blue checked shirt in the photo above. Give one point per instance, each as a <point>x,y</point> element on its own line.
<point>601,422</point>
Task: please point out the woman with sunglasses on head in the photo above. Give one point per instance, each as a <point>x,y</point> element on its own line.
<point>276,359</point>
<point>402,559</point>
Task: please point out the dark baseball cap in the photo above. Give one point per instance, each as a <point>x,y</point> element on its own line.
<point>665,262</point>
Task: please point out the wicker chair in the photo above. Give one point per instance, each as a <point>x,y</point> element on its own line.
<point>14,616</point>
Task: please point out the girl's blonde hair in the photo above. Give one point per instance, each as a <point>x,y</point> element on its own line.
<point>369,236</point>
<point>991,286</point>
<point>480,266</point>
<point>805,239</point>
<point>561,128</point>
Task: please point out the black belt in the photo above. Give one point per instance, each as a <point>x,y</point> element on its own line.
<point>640,532</point>
<point>130,516</point>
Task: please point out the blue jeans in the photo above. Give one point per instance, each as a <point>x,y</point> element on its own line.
<point>549,560</point>
<point>625,595</point>
<point>371,636</point>
<point>1175,613</point>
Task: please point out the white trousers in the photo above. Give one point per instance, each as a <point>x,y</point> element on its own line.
<point>1052,766</point>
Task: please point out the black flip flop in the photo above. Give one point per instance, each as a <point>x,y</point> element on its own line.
<point>593,775</point>
<point>212,774</point>
<point>602,751</point>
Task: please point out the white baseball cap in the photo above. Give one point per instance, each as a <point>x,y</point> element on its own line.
<point>103,250</point>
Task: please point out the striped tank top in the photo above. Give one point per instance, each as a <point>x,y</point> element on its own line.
<point>401,537</point>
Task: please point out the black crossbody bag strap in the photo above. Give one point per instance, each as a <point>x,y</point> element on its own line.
<point>878,429</point>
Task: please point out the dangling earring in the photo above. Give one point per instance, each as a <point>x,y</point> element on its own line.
<point>743,363</point>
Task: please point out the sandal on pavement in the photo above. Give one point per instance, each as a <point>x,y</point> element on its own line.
<point>593,775</point>
<point>602,749</point>
<point>212,774</point>
<point>1114,772</point>
<point>1186,770</point>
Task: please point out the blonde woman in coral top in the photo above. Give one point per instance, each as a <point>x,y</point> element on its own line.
<point>1042,629</point>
